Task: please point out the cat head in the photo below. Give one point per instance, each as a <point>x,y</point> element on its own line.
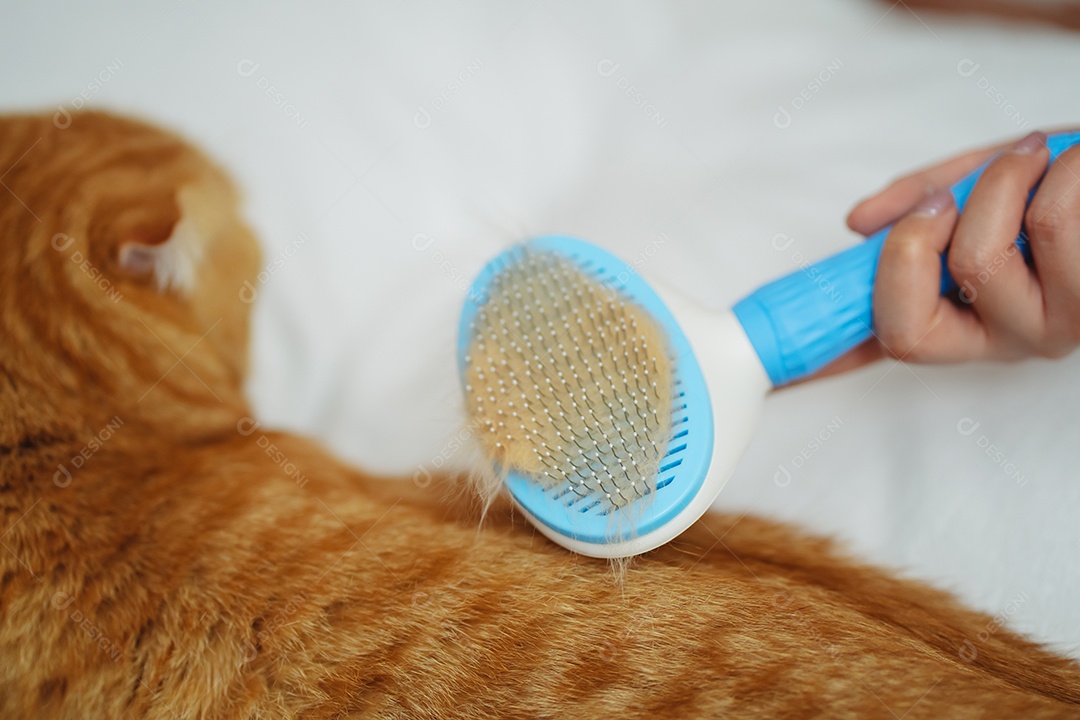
<point>123,268</point>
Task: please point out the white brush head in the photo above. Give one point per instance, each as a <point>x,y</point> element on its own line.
<point>569,382</point>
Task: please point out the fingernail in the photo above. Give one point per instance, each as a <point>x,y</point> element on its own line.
<point>1030,144</point>
<point>934,204</point>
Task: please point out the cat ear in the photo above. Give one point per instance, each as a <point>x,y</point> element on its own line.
<point>168,253</point>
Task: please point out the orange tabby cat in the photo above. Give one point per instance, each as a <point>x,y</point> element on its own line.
<point>165,557</point>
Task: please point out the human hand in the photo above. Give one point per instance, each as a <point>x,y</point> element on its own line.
<point>1006,309</point>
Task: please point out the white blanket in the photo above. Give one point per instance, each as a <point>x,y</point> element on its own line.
<point>387,152</point>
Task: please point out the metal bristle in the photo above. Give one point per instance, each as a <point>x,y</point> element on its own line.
<point>568,381</point>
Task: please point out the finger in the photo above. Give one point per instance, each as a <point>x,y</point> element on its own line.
<point>1053,228</point>
<point>983,257</point>
<point>877,211</point>
<point>911,319</point>
<point>902,195</point>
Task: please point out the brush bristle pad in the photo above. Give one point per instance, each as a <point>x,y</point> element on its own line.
<point>569,382</point>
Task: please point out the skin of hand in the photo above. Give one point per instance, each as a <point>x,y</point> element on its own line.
<point>1006,309</point>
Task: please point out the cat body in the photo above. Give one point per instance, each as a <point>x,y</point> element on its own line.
<point>165,556</point>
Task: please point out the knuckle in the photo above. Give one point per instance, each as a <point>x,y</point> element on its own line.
<point>1054,212</point>
<point>1051,219</point>
<point>901,343</point>
<point>1070,159</point>
<point>968,262</point>
<point>903,245</point>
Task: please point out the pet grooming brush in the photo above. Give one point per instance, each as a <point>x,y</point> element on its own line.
<point>588,397</point>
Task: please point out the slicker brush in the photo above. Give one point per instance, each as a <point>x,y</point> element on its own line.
<point>576,391</point>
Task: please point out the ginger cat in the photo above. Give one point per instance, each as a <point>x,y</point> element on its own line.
<point>160,561</point>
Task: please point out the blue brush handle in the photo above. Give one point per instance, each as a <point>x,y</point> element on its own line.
<point>807,319</point>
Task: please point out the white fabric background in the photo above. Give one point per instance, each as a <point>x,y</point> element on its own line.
<point>460,129</point>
